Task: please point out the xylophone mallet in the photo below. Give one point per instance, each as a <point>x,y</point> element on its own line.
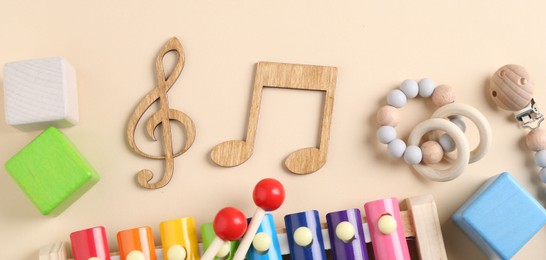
<point>268,195</point>
<point>229,225</point>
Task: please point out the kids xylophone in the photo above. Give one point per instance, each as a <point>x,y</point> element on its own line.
<point>344,236</point>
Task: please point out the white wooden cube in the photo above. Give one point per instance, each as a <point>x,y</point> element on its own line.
<point>40,93</point>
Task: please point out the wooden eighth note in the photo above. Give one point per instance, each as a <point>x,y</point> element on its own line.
<point>161,117</point>
<point>288,76</point>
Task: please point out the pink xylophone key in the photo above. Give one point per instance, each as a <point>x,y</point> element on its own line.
<point>386,229</point>
<point>90,243</point>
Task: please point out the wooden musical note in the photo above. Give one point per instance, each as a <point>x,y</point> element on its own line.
<point>289,76</point>
<point>161,117</point>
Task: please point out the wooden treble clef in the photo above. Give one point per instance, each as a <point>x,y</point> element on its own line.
<point>161,117</point>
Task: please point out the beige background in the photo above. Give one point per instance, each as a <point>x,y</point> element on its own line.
<point>374,44</point>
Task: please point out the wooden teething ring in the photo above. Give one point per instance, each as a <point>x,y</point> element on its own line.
<point>484,129</point>
<point>463,154</point>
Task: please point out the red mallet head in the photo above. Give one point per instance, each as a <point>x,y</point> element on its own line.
<point>230,224</point>
<point>268,194</point>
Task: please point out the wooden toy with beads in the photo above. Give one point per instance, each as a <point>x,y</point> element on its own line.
<point>511,88</point>
<point>418,217</point>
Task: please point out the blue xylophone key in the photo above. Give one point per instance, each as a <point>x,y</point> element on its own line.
<point>304,236</point>
<point>265,245</point>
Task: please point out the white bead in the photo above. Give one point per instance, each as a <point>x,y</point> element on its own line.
<point>426,87</point>
<point>458,121</point>
<point>543,175</point>
<point>396,98</point>
<point>135,255</point>
<point>447,143</point>
<point>413,155</point>
<point>345,231</point>
<point>176,252</point>
<point>396,148</point>
<point>224,250</point>
<point>386,134</point>
<point>261,242</point>
<point>303,236</point>
<point>410,88</point>
<point>540,158</point>
<point>387,224</point>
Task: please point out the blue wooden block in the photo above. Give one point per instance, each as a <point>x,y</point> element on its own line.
<point>500,217</point>
<point>304,235</point>
<point>267,227</point>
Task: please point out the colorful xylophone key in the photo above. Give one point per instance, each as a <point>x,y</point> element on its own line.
<point>136,244</point>
<point>265,245</point>
<point>268,195</point>
<point>179,239</point>
<point>229,225</point>
<point>304,234</point>
<point>386,229</point>
<point>346,235</point>
<point>90,243</point>
<point>226,251</point>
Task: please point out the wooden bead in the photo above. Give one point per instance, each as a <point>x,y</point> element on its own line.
<point>536,139</point>
<point>432,152</point>
<point>443,95</point>
<point>388,115</point>
<point>511,88</point>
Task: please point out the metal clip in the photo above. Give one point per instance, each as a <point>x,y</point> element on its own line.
<point>529,117</point>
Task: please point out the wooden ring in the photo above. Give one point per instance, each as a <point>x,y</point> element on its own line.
<point>463,153</point>
<point>484,129</point>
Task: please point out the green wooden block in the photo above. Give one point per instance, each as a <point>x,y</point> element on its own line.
<point>51,172</point>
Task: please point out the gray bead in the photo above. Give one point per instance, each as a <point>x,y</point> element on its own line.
<point>447,143</point>
<point>413,155</point>
<point>386,134</point>
<point>543,175</point>
<point>459,122</point>
<point>540,158</point>
<point>396,98</point>
<point>410,88</point>
<point>426,87</point>
<point>396,148</point>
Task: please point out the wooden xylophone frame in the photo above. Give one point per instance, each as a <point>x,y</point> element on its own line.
<point>420,219</point>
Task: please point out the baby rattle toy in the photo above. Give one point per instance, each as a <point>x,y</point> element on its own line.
<point>511,88</point>
<point>447,119</point>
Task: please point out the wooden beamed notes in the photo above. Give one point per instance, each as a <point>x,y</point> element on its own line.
<point>287,76</point>
<point>162,117</point>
